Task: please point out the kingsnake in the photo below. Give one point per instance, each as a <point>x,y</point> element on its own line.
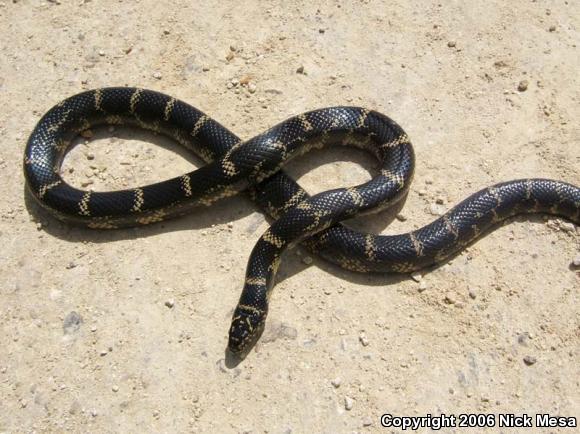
<point>234,165</point>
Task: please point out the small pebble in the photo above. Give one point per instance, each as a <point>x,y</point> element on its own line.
<point>367,421</point>
<point>72,323</point>
<point>252,87</point>
<point>567,227</point>
<point>422,286</point>
<point>300,70</point>
<point>523,338</point>
<point>552,28</point>
<point>101,53</point>
<point>307,260</point>
<point>449,299</point>
<point>530,360</point>
<point>576,261</point>
<point>157,75</point>
<point>401,217</point>
<point>436,209</point>
<point>348,403</point>
<point>336,382</point>
<point>170,303</point>
<point>451,44</point>
<point>416,276</point>
<point>472,293</point>
<point>103,353</point>
<point>90,156</point>
<point>523,85</point>
<point>363,340</point>
<point>115,388</point>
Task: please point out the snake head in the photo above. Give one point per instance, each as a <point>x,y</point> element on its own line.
<point>247,326</point>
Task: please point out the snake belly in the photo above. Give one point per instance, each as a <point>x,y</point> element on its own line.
<point>234,165</point>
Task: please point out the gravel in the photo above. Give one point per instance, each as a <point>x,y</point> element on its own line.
<point>530,360</point>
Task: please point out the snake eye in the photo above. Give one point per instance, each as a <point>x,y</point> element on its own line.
<point>246,328</point>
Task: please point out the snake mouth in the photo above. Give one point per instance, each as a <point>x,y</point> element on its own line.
<point>247,326</point>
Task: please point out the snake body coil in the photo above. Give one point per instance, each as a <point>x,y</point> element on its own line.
<point>234,165</point>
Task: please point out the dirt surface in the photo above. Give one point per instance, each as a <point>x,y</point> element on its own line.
<point>125,331</point>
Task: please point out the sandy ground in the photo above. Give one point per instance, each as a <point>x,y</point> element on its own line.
<point>87,341</point>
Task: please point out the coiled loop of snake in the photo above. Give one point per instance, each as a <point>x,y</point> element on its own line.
<point>255,164</point>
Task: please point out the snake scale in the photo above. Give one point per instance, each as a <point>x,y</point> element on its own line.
<point>234,165</point>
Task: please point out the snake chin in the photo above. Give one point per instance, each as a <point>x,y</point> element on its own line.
<point>246,328</point>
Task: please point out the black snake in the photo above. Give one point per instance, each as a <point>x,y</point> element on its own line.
<point>234,165</point>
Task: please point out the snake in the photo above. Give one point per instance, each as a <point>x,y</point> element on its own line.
<point>256,165</point>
